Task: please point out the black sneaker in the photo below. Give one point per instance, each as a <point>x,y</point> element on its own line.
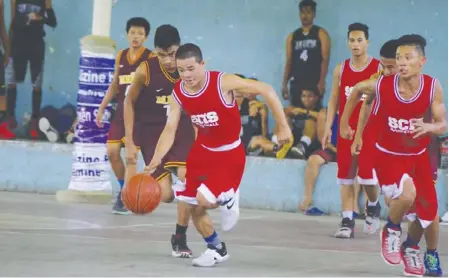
<point>179,247</point>
<point>119,207</point>
<point>346,228</point>
<point>372,221</point>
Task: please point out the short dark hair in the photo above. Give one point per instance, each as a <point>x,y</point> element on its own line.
<point>240,75</point>
<point>388,50</point>
<point>253,78</point>
<point>189,50</point>
<point>357,26</point>
<point>313,89</point>
<point>138,22</point>
<point>166,36</point>
<point>414,40</point>
<point>307,3</point>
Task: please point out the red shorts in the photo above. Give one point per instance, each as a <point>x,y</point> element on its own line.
<point>366,174</point>
<point>392,171</point>
<point>346,163</point>
<point>216,174</point>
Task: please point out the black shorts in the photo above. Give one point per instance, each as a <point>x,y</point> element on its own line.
<point>24,51</point>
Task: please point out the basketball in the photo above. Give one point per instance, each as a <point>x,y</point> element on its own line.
<point>142,194</point>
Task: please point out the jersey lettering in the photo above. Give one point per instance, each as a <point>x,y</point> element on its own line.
<point>206,119</point>
<point>401,125</point>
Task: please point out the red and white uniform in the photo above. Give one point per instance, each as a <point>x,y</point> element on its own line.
<point>400,156</point>
<point>217,159</point>
<point>349,77</point>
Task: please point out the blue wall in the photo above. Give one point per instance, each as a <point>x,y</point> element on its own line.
<point>246,36</point>
<point>268,183</point>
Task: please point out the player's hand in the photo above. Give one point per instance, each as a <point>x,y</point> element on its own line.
<point>356,146</point>
<point>154,163</point>
<point>346,132</point>
<point>420,128</point>
<point>34,17</point>
<point>130,152</point>
<point>326,138</point>
<point>253,109</point>
<point>284,135</point>
<point>99,118</point>
<point>285,92</point>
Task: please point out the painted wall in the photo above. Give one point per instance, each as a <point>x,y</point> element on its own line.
<point>246,36</point>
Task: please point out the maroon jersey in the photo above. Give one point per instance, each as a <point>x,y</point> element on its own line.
<point>218,122</point>
<point>127,67</point>
<point>349,77</point>
<point>394,115</point>
<point>153,104</point>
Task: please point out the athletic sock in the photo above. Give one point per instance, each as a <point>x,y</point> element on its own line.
<point>393,225</point>
<point>121,183</point>
<point>214,240</point>
<point>180,230</point>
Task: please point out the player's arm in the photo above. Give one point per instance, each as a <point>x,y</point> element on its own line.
<point>113,88</point>
<point>233,83</point>
<point>288,65</point>
<point>439,125</point>
<point>365,111</point>
<point>325,54</point>
<point>139,79</point>
<point>332,104</point>
<point>367,87</point>
<point>167,136</point>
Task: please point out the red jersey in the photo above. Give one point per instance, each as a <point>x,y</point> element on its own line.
<point>394,115</point>
<point>218,122</point>
<point>349,77</point>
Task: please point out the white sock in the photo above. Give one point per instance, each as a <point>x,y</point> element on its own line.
<point>348,214</point>
<point>306,140</point>
<point>373,204</point>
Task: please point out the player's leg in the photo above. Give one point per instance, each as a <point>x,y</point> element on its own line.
<point>357,190</point>
<point>431,257</point>
<point>368,179</point>
<point>5,131</point>
<point>426,206</point>
<point>314,163</point>
<point>260,143</point>
<point>309,134</point>
<point>20,58</point>
<point>37,56</point>
<point>347,166</point>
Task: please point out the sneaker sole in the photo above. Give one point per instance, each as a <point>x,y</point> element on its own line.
<point>223,259</point>
<point>121,212</point>
<point>181,255</point>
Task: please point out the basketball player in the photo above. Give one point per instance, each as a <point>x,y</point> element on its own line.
<point>147,106</point>
<point>27,45</point>
<point>126,63</point>
<point>409,109</point>
<point>216,162</point>
<point>389,67</point>
<point>365,174</point>
<point>346,75</point>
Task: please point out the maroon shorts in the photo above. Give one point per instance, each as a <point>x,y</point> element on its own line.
<point>392,171</point>
<point>116,133</point>
<point>366,173</point>
<point>147,135</point>
<point>326,154</point>
<point>216,174</point>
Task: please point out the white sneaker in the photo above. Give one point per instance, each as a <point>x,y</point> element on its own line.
<point>230,212</point>
<point>51,133</point>
<point>211,256</point>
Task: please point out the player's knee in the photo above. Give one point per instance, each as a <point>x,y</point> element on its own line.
<point>167,192</point>
<point>315,160</point>
<point>409,191</point>
<point>113,154</point>
<point>203,202</point>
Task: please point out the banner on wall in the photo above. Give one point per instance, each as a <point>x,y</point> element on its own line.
<point>90,165</point>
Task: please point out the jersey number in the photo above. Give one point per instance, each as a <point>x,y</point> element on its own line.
<point>167,106</point>
<point>127,90</point>
<point>304,55</point>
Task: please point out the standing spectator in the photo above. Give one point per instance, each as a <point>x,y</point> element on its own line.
<point>5,133</point>
<point>308,52</point>
<point>27,40</point>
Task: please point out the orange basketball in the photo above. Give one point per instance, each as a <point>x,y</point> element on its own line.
<point>142,194</point>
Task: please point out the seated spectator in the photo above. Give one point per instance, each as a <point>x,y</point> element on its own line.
<point>303,120</point>
<point>254,132</point>
<point>316,160</point>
